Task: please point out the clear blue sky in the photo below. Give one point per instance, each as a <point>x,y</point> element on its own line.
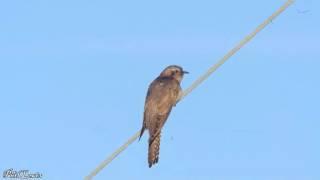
<point>74,76</point>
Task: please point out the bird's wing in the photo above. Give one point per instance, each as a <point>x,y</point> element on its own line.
<point>162,95</point>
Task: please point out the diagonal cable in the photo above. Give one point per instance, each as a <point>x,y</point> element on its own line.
<point>196,83</point>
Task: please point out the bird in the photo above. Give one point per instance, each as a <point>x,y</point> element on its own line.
<point>163,93</point>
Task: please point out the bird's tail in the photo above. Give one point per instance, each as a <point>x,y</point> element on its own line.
<point>154,148</point>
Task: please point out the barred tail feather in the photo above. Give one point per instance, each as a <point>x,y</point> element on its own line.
<point>154,148</point>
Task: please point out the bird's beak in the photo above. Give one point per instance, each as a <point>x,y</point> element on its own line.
<point>185,72</point>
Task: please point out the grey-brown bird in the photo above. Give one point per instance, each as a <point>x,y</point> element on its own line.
<point>163,94</point>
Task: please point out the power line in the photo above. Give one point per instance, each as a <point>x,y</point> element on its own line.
<point>196,83</point>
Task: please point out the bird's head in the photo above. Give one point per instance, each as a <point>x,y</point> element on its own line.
<point>173,71</point>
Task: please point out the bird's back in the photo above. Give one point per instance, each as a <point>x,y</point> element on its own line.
<point>162,95</point>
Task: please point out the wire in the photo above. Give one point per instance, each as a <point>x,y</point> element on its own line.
<point>112,156</point>
<point>236,48</point>
<point>196,83</point>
